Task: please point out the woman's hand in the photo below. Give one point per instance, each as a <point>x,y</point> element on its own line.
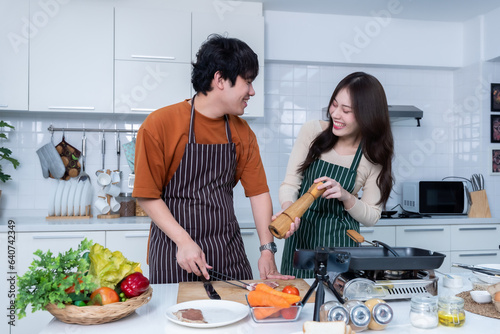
<point>191,258</point>
<point>335,190</point>
<point>267,267</point>
<point>294,226</point>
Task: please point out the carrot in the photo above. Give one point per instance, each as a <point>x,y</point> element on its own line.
<point>261,298</point>
<point>291,299</point>
<point>266,312</point>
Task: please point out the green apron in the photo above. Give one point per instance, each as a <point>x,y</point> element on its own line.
<point>326,222</point>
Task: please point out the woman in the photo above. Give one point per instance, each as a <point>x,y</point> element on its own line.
<point>353,151</point>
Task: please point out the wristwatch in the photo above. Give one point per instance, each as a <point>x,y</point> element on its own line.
<point>270,246</point>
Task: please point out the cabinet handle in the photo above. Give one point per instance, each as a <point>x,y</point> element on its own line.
<point>424,229</point>
<point>4,105</point>
<point>40,237</point>
<point>71,108</point>
<point>478,254</point>
<point>142,109</point>
<point>153,57</point>
<point>477,228</point>
<point>367,231</point>
<point>139,235</point>
<point>247,232</point>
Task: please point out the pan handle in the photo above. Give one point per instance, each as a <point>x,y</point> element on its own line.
<point>386,246</point>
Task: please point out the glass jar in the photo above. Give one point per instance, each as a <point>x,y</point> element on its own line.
<point>359,315</point>
<point>451,311</point>
<point>333,311</point>
<point>127,204</point>
<point>381,314</point>
<point>423,312</point>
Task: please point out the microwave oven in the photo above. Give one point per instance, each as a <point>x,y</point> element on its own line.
<point>436,197</point>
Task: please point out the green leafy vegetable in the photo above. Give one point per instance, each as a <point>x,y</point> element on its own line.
<point>47,278</point>
<point>109,268</point>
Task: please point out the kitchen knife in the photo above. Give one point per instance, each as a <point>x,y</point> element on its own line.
<point>212,294</point>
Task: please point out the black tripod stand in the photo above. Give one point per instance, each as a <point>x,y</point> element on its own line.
<point>324,260</point>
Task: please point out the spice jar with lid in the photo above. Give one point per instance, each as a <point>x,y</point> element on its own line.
<point>451,311</point>
<point>359,315</point>
<point>333,311</point>
<point>381,313</point>
<point>423,312</point>
<point>127,204</point>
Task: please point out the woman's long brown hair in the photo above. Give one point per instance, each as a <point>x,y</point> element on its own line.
<point>369,103</point>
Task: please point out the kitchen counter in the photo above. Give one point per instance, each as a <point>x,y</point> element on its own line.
<point>151,318</point>
<point>41,224</point>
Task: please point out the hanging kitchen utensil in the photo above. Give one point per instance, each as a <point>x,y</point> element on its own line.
<point>103,148</point>
<point>129,149</point>
<point>83,175</point>
<point>118,152</point>
<point>69,156</point>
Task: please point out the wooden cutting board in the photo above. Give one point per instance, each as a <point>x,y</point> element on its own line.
<point>194,290</point>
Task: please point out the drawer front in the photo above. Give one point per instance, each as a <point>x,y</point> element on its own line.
<point>475,237</point>
<point>385,234</point>
<point>434,238</point>
<point>474,257</point>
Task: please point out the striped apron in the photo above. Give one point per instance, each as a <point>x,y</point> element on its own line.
<point>200,197</point>
<point>325,223</point>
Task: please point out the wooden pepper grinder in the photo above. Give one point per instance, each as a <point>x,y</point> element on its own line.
<point>282,223</point>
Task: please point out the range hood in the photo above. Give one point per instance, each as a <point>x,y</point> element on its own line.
<point>400,111</point>
<point>396,112</point>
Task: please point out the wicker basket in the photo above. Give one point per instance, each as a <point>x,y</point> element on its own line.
<point>94,315</point>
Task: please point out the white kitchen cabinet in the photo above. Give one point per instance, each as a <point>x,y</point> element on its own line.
<point>27,244</point>
<point>475,237</point>
<point>248,28</point>
<point>152,34</point>
<point>385,234</point>
<point>15,32</point>
<point>152,58</point>
<point>71,56</point>
<point>142,86</point>
<point>132,244</point>
<point>252,244</point>
<point>435,238</point>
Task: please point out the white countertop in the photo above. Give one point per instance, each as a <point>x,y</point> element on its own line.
<point>41,224</point>
<point>151,318</point>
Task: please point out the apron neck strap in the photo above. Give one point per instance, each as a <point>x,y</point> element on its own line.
<point>357,158</point>
<point>192,138</point>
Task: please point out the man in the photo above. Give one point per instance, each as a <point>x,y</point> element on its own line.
<point>189,157</point>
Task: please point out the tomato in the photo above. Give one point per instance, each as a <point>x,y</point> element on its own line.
<point>71,289</point>
<point>291,290</point>
<point>290,313</point>
<point>104,296</point>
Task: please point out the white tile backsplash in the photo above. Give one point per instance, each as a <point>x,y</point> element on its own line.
<point>453,139</point>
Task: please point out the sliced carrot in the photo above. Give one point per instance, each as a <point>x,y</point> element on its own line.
<point>291,299</point>
<point>261,298</point>
<point>266,312</point>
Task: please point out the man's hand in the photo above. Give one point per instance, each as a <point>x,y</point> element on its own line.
<point>267,267</point>
<point>191,258</point>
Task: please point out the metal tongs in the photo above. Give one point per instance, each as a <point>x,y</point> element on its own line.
<point>479,269</point>
<point>354,235</point>
<point>244,286</point>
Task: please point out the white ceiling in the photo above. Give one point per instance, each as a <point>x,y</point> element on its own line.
<point>429,10</point>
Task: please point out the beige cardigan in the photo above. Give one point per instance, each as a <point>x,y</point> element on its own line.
<point>365,211</point>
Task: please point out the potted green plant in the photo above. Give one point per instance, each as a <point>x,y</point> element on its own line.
<point>5,153</point>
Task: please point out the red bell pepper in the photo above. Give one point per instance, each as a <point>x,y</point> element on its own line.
<point>134,284</point>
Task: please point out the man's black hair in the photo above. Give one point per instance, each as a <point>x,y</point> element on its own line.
<point>230,56</point>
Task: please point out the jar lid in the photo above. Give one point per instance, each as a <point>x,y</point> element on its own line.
<point>125,195</point>
<point>360,315</point>
<point>424,302</point>
<point>382,313</point>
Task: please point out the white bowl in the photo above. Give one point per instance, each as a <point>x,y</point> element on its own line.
<point>454,282</point>
<point>481,297</point>
<point>488,278</point>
